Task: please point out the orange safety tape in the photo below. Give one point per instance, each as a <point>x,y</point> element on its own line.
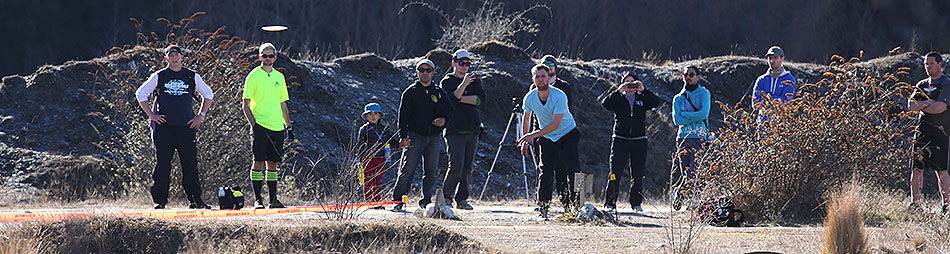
<point>171,215</point>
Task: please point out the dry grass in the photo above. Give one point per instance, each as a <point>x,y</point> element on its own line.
<point>849,124</point>
<point>844,227</point>
<point>137,235</point>
<point>489,23</point>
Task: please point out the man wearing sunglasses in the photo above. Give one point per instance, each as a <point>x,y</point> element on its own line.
<point>265,108</point>
<point>461,129</point>
<point>423,110</point>
<point>173,123</point>
<point>690,113</point>
<point>551,62</point>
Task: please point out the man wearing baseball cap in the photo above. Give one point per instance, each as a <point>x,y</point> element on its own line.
<point>773,82</point>
<point>264,102</point>
<point>423,109</point>
<point>174,123</point>
<point>551,62</point>
<point>461,129</point>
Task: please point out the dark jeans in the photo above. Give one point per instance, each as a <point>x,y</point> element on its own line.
<point>559,162</point>
<point>167,139</point>
<point>427,149</point>
<point>461,150</point>
<point>687,166</point>
<point>621,151</point>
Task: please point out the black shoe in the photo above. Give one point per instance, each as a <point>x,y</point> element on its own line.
<point>398,208</point>
<point>423,204</point>
<point>944,209</point>
<point>378,208</point>
<point>259,204</point>
<point>275,204</point>
<point>159,206</point>
<point>464,205</point>
<point>199,205</point>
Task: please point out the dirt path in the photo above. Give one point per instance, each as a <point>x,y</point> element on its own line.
<point>514,228</point>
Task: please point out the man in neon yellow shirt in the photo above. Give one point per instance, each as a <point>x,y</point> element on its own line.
<point>265,107</point>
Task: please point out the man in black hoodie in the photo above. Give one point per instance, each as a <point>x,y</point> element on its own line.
<point>461,129</point>
<point>629,104</point>
<point>423,110</point>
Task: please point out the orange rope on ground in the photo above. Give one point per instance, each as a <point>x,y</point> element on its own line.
<point>187,214</point>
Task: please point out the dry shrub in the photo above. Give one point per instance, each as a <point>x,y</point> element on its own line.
<point>80,178</point>
<point>844,227</point>
<point>141,235</point>
<point>489,23</point>
<point>849,124</point>
<point>341,186</point>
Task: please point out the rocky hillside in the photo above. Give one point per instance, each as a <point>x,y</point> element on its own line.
<point>62,135</point>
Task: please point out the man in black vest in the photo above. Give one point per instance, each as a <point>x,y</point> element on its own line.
<point>173,122</point>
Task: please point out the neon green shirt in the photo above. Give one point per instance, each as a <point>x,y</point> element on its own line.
<point>266,91</point>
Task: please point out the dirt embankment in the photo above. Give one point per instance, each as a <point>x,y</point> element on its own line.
<point>61,122</point>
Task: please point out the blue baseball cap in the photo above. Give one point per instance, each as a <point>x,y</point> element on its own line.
<point>372,107</point>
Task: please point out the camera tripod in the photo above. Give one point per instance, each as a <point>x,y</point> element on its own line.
<point>516,114</point>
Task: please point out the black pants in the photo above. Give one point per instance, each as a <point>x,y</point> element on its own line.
<point>167,140</point>
<point>559,162</point>
<point>621,151</point>
<point>461,150</point>
<point>687,183</point>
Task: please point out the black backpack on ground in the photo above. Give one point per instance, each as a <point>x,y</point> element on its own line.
<point>230,197</point>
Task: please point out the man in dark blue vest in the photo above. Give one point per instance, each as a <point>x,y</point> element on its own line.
<point>173,122</point>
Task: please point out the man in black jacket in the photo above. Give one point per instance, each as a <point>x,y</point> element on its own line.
<point>629,104</point>
<point>461,129</point>
<point>423,110</point>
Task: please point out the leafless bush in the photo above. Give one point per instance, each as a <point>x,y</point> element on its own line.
<point>342,187</point>
<point>489,23</point>
<point>849,124</point>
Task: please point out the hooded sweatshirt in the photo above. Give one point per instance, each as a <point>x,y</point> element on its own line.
<point>691,118</point>
<point>774,87</point>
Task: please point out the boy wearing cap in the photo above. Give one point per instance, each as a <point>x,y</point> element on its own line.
<point>461,129</point>
<point>173,123</point>
<point>773,81</point>
<point>423,109</point>
<point>629,103</point>
<point>265,108</point>
<point>376,141</point>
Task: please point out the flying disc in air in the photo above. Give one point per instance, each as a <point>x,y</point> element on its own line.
<point>274,28</point>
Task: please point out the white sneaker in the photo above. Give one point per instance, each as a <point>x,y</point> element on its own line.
<point>638,208</point>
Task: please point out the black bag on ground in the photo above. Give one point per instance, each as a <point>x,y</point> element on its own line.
<point>230,197</point>
<point>721,212</point>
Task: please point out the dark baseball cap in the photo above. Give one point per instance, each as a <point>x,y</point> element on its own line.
<point>775,50</point>
<point>171,48</point>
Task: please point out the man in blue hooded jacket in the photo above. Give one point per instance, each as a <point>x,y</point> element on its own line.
<point>773,82</point>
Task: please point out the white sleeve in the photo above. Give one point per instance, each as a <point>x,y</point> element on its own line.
<point>147,87</point>
<point>203,88</point>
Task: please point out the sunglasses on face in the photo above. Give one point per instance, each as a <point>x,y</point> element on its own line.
<point>463,64</point>
<point>269,56</point>
<point>691,74</point>
<point>425,70</point>
<point>549,64</point>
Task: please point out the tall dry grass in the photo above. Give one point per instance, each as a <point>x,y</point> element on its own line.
<point>850,124</point>
<point>844,226</point>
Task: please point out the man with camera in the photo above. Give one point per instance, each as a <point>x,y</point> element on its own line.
<point>629,103</point>
<point>558,139</point>
<point>462,127</point>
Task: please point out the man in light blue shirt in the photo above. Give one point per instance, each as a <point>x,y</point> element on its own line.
<point>557,138</point>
